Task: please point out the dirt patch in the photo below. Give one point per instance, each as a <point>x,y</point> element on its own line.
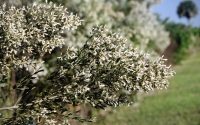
<point>169,52</point>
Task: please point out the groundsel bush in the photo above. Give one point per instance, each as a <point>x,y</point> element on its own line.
<point>130,17</point>
<point>28,33</point>
<point>104,72</point>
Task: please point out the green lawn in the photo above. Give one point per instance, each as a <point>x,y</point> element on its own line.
<point>179,105</point>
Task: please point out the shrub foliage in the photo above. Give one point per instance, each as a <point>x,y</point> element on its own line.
<point>105,71</point>
<point>131,18</point>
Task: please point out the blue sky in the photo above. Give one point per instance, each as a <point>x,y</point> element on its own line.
<point>167,9</point>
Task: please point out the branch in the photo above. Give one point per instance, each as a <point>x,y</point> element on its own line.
<point>9,108</point>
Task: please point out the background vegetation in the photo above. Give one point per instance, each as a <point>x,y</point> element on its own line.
<point>185,38</point>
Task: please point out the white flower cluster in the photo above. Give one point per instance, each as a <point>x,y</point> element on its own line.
<point>105,71</point>
<point>146,27</point>
<point>132,18</point>
<point>28,33</point>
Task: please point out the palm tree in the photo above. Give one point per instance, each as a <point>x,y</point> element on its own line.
<point>187,9</point>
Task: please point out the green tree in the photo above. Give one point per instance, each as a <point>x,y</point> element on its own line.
<point>187,9</point>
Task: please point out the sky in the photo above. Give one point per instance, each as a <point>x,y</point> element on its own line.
<point>167,9</point>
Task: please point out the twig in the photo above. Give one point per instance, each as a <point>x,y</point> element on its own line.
<point>9,108</point>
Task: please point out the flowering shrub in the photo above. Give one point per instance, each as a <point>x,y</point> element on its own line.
<point>132,18</point>
<point>111,69</point>
<point>29,33</point>
<point>104,72</point>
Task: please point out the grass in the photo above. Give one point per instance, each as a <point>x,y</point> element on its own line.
<point>179,105</point>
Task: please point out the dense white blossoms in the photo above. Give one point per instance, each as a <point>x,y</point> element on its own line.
<point>131,18</point>
<point>28,33</point>
<point>105,71</point>
<point>146,27</point>
<point>108,67</point>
